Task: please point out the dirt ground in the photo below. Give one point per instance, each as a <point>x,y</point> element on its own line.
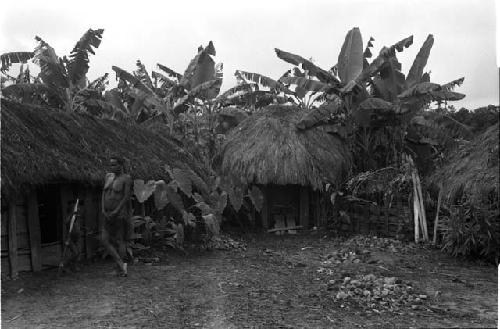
<point>276,282</point>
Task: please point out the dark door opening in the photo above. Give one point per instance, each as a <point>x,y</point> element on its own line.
<point>49,212</point>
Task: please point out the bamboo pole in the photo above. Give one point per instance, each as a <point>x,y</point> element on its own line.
<point>423,219</point>
<point>13,239</point>
<point>416,213</point>
<point>436,220</point>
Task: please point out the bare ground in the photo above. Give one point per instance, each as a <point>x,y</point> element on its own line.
<point>277,282</point>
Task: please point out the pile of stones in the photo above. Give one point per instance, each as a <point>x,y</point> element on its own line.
<point>379,294</point>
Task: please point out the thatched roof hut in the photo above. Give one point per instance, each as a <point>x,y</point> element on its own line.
<point>49,160</point>
<point>267,148</point>
<point>42,145</point>
<point>472,169</point>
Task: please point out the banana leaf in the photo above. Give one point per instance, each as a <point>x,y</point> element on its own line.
<point>52,70</point>
<point>78,65</point>
<point>171,73</point>
<point>322,75</point>
<point>417,69</point>
<point>376,65</point>
<point>325,113</point>
<point>350,61</point>
<point>142,74</point>
<point>264,81</point>
<point>15,57</point>
<point>133,80</point>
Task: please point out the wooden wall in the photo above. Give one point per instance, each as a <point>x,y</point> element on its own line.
<point>21,247</point>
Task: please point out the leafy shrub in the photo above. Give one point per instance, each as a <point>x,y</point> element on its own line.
<point>470,230</point>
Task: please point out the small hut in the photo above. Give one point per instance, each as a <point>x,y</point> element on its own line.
<point>290,166</point>
<point>49,158</point>
<point>472,170</point>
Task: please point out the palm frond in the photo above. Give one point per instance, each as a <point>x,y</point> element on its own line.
<point>78,65</point>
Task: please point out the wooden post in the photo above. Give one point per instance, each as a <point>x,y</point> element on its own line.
<point>65,197</point>
<point>434,237</point>
<point>12,239</point>
<point>87,221</point>
<point>34,231</point>
<point>317,207</point>
<point>304,207</point>
<point>265,209</point>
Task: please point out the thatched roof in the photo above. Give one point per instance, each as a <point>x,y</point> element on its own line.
<point>42,145</point>
<point>267,148</point>
<point>472,168</point>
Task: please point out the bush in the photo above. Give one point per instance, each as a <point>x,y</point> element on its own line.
<point>471,230</point>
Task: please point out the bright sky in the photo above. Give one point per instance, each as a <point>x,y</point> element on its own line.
<point>246,32</point>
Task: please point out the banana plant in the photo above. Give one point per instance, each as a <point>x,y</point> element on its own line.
<point>63,81</point>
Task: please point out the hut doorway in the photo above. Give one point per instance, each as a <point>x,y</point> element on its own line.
<point>284,206</point>
<point>50,217</point>
<point>49,214</point>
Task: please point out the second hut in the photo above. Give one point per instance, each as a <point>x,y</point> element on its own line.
<point>290,166</point>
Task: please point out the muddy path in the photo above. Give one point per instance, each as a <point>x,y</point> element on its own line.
<point>277,282</point>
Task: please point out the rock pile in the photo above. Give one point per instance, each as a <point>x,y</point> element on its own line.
<point>379,294</point>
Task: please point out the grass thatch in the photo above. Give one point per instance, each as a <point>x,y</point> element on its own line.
<point>472,169</point>
<point>41,145</point>
<point>267,148</point>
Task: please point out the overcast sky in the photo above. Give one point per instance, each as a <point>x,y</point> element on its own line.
<point>246,32</point>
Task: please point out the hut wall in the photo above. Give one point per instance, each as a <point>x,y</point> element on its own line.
<point>36,245</point>
<point>21,241</point>
<point>363,219</point>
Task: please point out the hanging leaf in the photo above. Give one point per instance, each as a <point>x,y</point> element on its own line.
<point>431,92</point>
<point>236,196</point>
<point>143,191</point>
<point>390,82</point>
<point>52,70</point>
<point>164,81</point>
<point>171,73</point>
<point>78,65</point>
<point>373,112</point>
<point>222,202</point>
<point>264,81</point>
<point>183,181</point>
<point>189,218</point>
<point>114,97</point>
<point>350,61</point>
<point>307,84</point>
<point>160,195</point>
<point>417,69</point>
<point>14,58</point>
<point>326,113</point>
<point>142,74</point>
<point>257,197</point>
<point>174,198</point>
<point>198,198</point>
<point>212,224</point>
<point>134,81</point>
<point>205,208</point>
<point>322,75</point>
<point>452,84</point>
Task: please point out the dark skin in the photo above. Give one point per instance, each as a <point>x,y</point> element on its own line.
<point>115,201</point>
